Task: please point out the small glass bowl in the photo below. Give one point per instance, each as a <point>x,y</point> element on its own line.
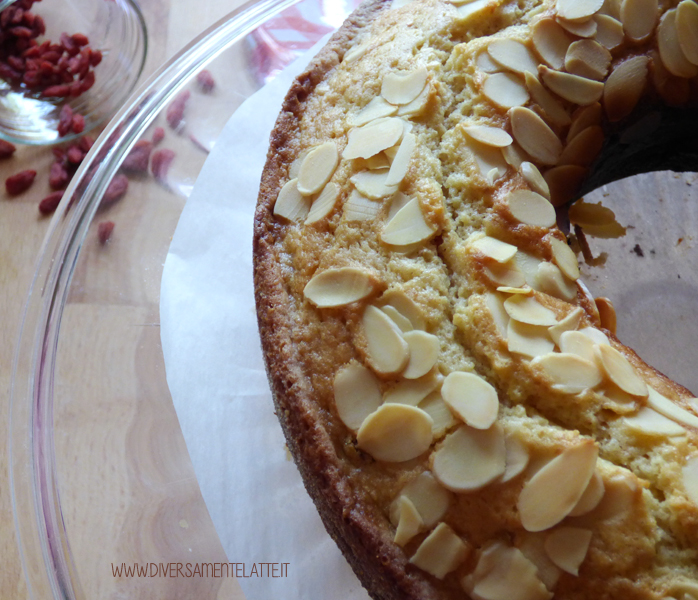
<point>114,27</point>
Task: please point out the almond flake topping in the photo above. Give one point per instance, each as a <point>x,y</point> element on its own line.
<point>500,318</point>
<point>584,117</point>
<point>584,148</point>
<point>534,178</point>
<point>553,111</point>
<point>485,63</point>
<point>534,136</point>
<point>471,398</point>
<point>607,314</point>
<point>377,108</point>
<point>585,28</point>
<point>407,226</point>
<point>591,497</point>
<point>528,340</point>
<point>687,28</point>
<point>609,32</point>
<point>517,458</point>
<point>588,58</point>
<point>388,351</point>
<point>526,309</point>
<point>323,204</point>
<point>564,258</point>
<point>576,10</point>
<point>490,136</point>
<point>494,248</point>
<point>564,182</point>
<point>549,496</point>
<point>663,405</point>
<point>690,479</point>
<point>575,342</point>
<point>441,552</point>
<point>395,433</point>
<point>437,409</point>
<point>551,42</point>
<point>317,168</point>
<point>406,306</point>
<point>401,162</point>
<point>410,523</point>
<point>356,52</point>
<point>649,422</point>
<point>505,274</point>
<point>401,321</point>
<point>424,351</point>
<point>579,90</point>
<point>429,498</point>
<point>532,545</point>
<point>549,279</point>
<point>571,374</point>
<point>514,155</point>
<point>489,159</point>
<point>339,286</point>
<point>524,291</point>
<point>402,88</point>
<point>624,87</point>
<point>412,391</point>
<point>531,208</point>
<point>469,459</point>
<point>569,323</point>
<point>373,138</point>
<point>360,208</point>
<point>505,90</point>
<point>639,18</point>
<point>356,394</point>
<point>567,547</point>
<point>512,55</point>
<point>372,184</point>
<point>621,372</point>
<point>670,50</point>
<point>290,204</point>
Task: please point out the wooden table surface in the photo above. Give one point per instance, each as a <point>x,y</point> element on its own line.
<point>142,491</point>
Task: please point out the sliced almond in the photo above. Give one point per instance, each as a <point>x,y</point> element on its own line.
<point>663,405</point>
<point>417,106</point>
<point>549,279</point>
<point>607,314</point>
<point>490,136</point>
<point>524,291</point>
<point>471,398</point>
<point>611,8</point>
<point>533,177</point>
<point>609,32</point>
<point>505,274</point>
<point>624,87</point>
<point>690,479</point>
<point>317,168</point>
<point>377,108</point>
<point>649,422</point>
<point>621,372</point>
<point>534,136</point>
<point>424,351</point>
<point>565,182</point>
<point>532,545</point>
<point>531,208</point>
<point>323,204</point>
<point>356,52</point>
<point>569,323</point>
<point>555,113</point>
<point>441,552</point>
<point>489,160</point>
<point>360,208</point>
<point>639,18</point>
<point>356,394</point>
<point>401,321</point>
<point>403,87</point>
<point>503,573</point>
<point>551,42</point>
<point>407,226</point>
<point>588,58</point>
<point>687,28</point>
<point>564,258</point>
<point>485,63</point>
<point>512,55</point>
<point>571,374</point>
<point>567,547</point>
<point>517,457</point>
<point>406,306</point>
<point>526,309</point>
<point>549,496</point>
<point>596,335</point>
<point>500,318</point>
<point>396,203</point>
<point>410,523</point>
<point>514,155</point>
<point>339,286</point>
<point>472,8</point>
<point>378,162</point>
<point>429,498</point>
<point>395,433</point>
<point>290,204</point>
<point>585,28</point>
<point>591,497</point>
<point>469,459</point>
<point>401,162</point>
<point>575,342</point>
<point>373,138</point>
<point>439,412</point>
<point>412,391</point>
<point>583,117</point>
<point>670,49</point>
<point>372,184</point>
<point>493,248</point>
<point>584,148</point>
<point>579,90</point>
<point>528,340</point>
<point>621,493</point>
<point>576,10</point>
<point>387,350</point>
<point>528,264</point>
<point>505,90</point>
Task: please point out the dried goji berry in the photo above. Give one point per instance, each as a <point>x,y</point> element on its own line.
<point>95,57</point>
<point>65,120</point>
<point>206,81</point>
<point>115,190</point>
<point>56,91</point>
<point>75,155</point>
<point>6,149</point>
<point>18,183</point>
<point>175,111</point>
<point>78,123</point>
<point>158,135</point>
<point>80,39</point>
<point>86,143</point>
<point>58,176</point>
<point>104,231</point>
<point>160,164</point>
<point>50,203</point>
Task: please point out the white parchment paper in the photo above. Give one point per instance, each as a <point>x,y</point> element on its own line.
<point>216,375</point>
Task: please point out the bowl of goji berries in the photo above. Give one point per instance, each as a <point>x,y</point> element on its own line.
<point>66,66</point>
